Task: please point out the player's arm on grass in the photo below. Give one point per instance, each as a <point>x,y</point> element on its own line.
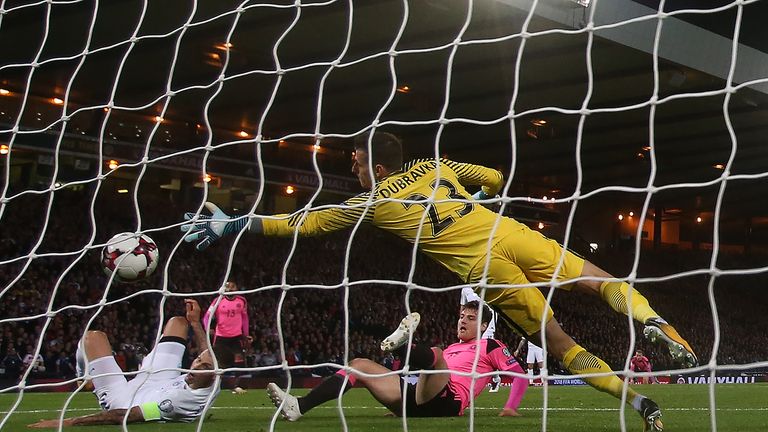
<point>502,360</point>
<point>193,317</point>
<point>108,417</point>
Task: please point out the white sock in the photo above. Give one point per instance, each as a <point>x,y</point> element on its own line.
<point>530,373</point>
<point>80,359</point>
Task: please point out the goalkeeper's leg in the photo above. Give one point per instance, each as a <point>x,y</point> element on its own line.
<point>622,298</point>
<point>580,361</point>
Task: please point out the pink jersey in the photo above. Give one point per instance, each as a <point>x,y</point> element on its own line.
<point>641,364</point>
<point>231,317</point>
<point>494,356</point>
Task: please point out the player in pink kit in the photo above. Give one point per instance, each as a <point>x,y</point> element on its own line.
<point>231,336</point>
<point>435,394</point>
<point>640,363</point>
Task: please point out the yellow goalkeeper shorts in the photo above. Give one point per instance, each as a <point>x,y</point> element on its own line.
<point>523,257</point>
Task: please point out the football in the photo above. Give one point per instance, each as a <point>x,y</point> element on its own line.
<point>130,257</point>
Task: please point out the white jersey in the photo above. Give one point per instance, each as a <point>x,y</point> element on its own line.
<point>175,399</point>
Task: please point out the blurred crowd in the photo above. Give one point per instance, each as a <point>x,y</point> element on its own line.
<point>313,303</point>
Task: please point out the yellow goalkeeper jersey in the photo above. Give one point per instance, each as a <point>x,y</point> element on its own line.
<point>454,233</point>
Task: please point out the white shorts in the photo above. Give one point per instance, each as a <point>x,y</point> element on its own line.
<point>535,354</point>
<point>114,391</point>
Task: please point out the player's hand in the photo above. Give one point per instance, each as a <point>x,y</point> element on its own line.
<point>245,341</point>
<point>46,424</point>
<point>193,310</point>
<point>509,412</point>
<point>480,195</point>
<point>208,229</point>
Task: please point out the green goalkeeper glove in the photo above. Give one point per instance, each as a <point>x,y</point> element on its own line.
<point>208,229</point>
<point>480,196</point>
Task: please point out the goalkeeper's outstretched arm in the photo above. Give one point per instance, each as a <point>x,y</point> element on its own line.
<point>207,229</point>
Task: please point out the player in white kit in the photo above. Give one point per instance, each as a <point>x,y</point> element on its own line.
<point>535,356</point>
<point>158,391</point>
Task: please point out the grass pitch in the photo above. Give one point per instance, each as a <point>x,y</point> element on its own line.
<point>740,408</point>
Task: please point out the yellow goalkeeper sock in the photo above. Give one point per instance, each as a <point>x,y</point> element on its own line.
<point>616,294</point>
<point>580,361</point>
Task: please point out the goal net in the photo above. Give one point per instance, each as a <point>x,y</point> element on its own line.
<point>631,131</point>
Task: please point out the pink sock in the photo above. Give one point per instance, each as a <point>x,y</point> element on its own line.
<point>352,379</point>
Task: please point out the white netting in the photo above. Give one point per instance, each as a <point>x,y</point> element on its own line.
<point>122,115</point>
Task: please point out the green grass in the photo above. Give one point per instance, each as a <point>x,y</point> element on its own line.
<point>740,408</point>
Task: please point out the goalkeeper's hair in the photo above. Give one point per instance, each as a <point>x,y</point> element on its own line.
<point>475,305</point>
<point>386,149</point>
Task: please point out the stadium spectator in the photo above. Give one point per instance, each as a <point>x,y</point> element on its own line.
<point>166,395</point>
<point>35,362</point>
<point>230,314</point>
<point>12,362</point>
<point>433,395</point>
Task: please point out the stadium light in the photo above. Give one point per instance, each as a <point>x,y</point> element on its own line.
<point>718,166</point>
<point>631,214</point>
<point>207,178</point>
<point>698,219</point>
<point>158,119</point>
<point>57,101</point>
<point>621,216</point>
<point>122,191</point>
<point>290,190</point>
<point>112,164</point>
<point>4,92</point>
<point>541,225</point>
<point>4,149</point>
<point>593,247</point>
<point>403,89</point>
<point>243,134</point>
<point>538,122</point>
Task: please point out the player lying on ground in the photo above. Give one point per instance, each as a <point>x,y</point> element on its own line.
<point>163,395</point>
<point>456,233</point>
<point>433,395</point>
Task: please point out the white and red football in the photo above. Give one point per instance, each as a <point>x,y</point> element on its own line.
<point>130,256</point>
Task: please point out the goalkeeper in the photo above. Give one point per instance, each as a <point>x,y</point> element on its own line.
<point>435,394</point>
<point>162,394</point>
<point>456,233</point>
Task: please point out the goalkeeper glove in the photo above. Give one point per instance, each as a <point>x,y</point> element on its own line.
<point>208,229</point>
<point>480,195</point>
